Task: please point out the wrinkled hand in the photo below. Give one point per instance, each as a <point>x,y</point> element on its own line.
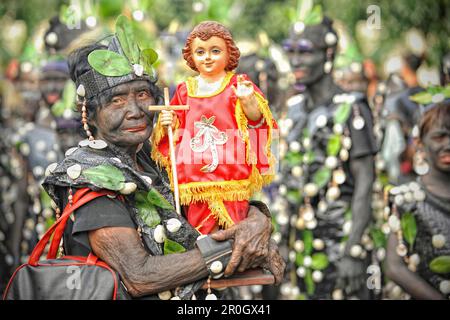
<point>167,118</point>
<point>251,241</point>
<point>350,274</point>
<point>275,262</point>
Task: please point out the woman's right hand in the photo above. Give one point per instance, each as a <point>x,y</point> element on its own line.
<point>168,118</point>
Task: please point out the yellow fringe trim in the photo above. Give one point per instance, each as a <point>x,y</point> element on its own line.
<point>220,213</point>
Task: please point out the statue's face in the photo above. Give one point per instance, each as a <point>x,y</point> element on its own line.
<point>52,85</point>
<point>124,120</point>
<point>210,56</point>
<point>437,147</point>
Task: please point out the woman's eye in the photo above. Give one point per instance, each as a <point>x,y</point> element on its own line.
<point>143,95</point>
<point>116,101</point>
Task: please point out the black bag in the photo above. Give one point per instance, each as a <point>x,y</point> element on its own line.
<point>69,277</point>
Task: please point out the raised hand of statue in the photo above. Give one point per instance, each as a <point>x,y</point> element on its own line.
<point>350,275</point>
<point>245,93</point>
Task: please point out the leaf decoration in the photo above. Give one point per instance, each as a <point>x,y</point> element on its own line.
<point>307,241</point>
<point>148,58</point>
<point>105,176</point>
<point>146,210</point>
<point>109,63</point>
<point>299,259</point>
<point>309,157</point>
<point>440,265</point>
<point>334,145</point>
<point>171,246</point>
<point>293,158</point>
<point>423,98</point>
<point>155,198</point>
<point>125,34</point>
<point>67,101</point>
<point>378,237</point>
<point>342,113</point>
<point>409,228</point>
<point>304,8</point>
<point>319,261</point>
<point>322,177</point>
<point>314,17</point>
<point>309,282</point>
<point>294,196</point>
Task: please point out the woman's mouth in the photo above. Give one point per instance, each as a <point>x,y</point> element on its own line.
<point>137,128</point>
<point>445,158</point>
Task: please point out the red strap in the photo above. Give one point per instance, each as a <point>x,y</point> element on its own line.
<point>91,259</point>
<point>81,197</point>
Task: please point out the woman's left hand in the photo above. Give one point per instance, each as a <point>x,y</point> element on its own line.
<point>251,241</point>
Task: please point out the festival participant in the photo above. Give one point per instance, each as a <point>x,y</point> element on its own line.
<point>223,139</point>
<point>136,231</point>
<point>418,246</point>
<point>330,159</point>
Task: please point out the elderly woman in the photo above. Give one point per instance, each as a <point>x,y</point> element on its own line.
<point>418,249</point>
<point>137,232</point>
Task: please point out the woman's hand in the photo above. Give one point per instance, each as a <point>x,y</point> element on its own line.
<point>275,263</point>
<point>251,241</point>
<point>168,118</point>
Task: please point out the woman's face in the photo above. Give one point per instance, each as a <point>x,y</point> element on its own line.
<point>124,121</point>
<point>210,56</point>
<point>437,147</point>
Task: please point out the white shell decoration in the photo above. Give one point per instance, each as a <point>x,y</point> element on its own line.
<point>282,190</point>
<point>308,213</point>
<point>301,272</point>
<point>116,160</point>
<point>402,250</point>
<point>343,154</point>
<point>292,256</point>
<point>331,162</point>
<point>338,128</point>
<point>419,195</point>
<point>294,146</point>
<point>81,91</point>
<point>322,206</point>
<point>97,144</point>
<point>444,286</point>
<point>128,188</point>
<point>339,176</point>
<point>347,142</point>
<point>356,250</point>
<point>74,171</point>
<point>311,224</point>
<point>333,193</point>
<point>321,121</point>
<point>317,276</point>
<point>337,294</point>
<point>297,171</point>
<point>306,143</point>
<point>165,295</point>
<point>175,298</point>
<point>394,223</point>
<point>347,227</point>
<point>51,167</point>
<point>51,38</point>
<point>311,189</point>
<point>438,241</point>
<point>41,145</point>
<point>330,39</point>
<point>216,267</point>
<point>318,244</point>
<point>173,225</point>
<point>159,234</point>
<point>358,122</point>
<point>138,69</point>
<point>307,261</point>
<point>299,246</point>
<point>25,149</point>
<point>211,296</point>
<point>414,259</point>
<point>83,143</point>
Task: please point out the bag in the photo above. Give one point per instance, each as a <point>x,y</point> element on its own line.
<point>69,277</point>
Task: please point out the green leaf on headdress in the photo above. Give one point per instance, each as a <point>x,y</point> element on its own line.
<point>109,63</point>
<point>67,101</point>
<point>148,58</point>
<point>304,9</point>
<point>426,97</point>
<point>315,16</point>
<point>309,282</point>
<point>105,176</point>
<point>308,242</point>
<point>423,98</point>
<point>308,13</point>
<point>319,261</point>
<point>125,34</point>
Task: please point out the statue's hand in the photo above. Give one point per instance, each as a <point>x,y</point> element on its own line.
<point>244,88</point>
<point>350,274</point>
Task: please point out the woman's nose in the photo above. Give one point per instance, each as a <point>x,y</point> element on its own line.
<point>134,111</point>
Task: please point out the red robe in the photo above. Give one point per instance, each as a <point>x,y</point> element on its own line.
<point>245,163</point>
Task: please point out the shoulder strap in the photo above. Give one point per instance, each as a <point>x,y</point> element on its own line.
<point>81,197</point>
